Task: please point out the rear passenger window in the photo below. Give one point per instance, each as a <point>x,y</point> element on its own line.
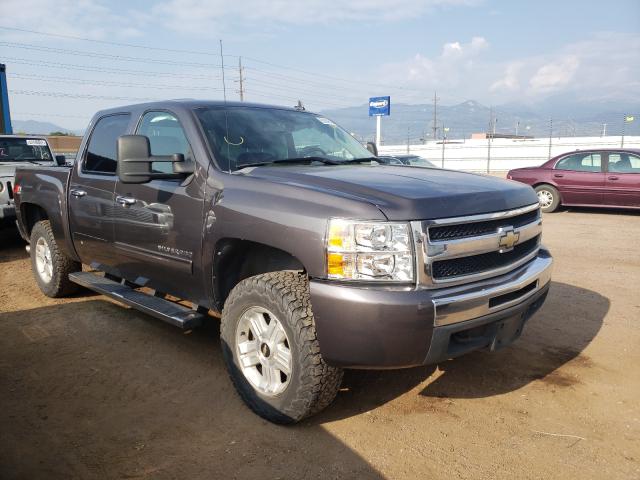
<point>624,163</point>
<point>102,150</point>
<point>581,162</point>
<point>166,137</point>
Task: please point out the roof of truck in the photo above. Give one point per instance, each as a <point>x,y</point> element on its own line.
<point>189,104</point>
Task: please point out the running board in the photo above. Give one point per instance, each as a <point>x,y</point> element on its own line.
<point>165,310</point>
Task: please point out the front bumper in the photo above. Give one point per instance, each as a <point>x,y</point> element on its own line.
<point>7,211</point>
<point>386,327</point>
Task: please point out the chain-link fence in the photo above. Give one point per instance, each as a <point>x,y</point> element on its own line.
<point>503,150</point>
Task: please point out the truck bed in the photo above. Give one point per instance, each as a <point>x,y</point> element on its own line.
<point>44,189</point>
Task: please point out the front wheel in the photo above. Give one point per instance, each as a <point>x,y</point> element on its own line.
<point>548,197</point>
<point>271,351</point>
<point>50,266</point>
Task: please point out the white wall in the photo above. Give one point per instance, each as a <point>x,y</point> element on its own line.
<point>505,153</point>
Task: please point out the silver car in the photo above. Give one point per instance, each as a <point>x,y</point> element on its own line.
<point>18,150</point>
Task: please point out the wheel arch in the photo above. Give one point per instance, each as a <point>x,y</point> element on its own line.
<point>30,214</point>
<point>541,183</point>
<point>549,184</point>
<point>236,259</point>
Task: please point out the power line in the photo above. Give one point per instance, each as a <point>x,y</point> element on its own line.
<point>90,82</point>
<point>108,83</point>
<point>31,114</point>
<point>293,98</point>
<point>257,60</point>
<point>79,96</point>
<point>105,42</point>
<point>89,68</point>
<point>338,79</point>
<point>106,56</point>
<point>280,86</point>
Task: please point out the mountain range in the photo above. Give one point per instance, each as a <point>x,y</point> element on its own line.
<point>37,127</point>
<point>571,117</point>
<point>558,116</point>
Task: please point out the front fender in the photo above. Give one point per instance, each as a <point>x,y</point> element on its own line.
<point>290,218</point>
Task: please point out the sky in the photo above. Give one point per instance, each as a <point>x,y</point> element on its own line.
<point>93,54</point>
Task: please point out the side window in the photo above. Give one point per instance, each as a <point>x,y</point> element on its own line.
<point>102,150</point>
<point>580,162</point>
<point>166,137</point>
<point>624,163</point>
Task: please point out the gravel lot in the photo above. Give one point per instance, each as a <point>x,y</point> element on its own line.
<point>91,389</point>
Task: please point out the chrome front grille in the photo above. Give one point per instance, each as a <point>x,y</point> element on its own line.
<point>465,230</point>
<point>460,250</point>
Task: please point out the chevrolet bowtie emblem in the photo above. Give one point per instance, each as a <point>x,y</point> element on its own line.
<point>508,238</point>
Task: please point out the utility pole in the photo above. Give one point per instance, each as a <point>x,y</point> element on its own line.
<point>444,140</point>
<point>435,116</point>
<point>241,76</point>
<point>408,137</point>
<point>489,136</point>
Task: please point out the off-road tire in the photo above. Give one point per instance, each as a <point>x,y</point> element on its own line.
<point>313,384</point>
<point>554,194</point>
<point>62,266</point>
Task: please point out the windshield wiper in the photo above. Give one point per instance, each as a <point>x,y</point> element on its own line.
<point>364,160</point>
<point>326,161</point>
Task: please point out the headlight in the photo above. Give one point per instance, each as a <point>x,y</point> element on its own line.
<point>378,251</point>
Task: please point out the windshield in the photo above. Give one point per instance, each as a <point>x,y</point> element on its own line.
<point>24,150</point>
<point>253,135</point>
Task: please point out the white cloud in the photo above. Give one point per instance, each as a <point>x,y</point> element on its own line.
<point>510,80</point>
<point>606,65</point>
<point>555,75</point>
<point>456,66</point>
<point>205,18</point>
<point>86,18</point>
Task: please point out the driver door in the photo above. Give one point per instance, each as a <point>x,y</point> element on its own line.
<point>158,227</point>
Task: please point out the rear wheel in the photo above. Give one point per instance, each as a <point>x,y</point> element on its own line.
<point>50,266</point>
<point>271,351</point>
<point>548,197</point>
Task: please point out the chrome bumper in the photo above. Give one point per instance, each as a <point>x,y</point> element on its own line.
<point>7,211</point>
<point>459,304</point>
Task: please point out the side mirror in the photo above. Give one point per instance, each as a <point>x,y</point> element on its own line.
<point>135,161</point>
<point>61,160</point>
<point>373,148</point>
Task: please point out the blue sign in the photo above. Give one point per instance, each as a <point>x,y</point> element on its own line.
<point>379,106</point>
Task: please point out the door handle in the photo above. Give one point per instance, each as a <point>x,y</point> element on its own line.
<point>613,177</point>
<point>78,193</point>
<point>558,175</point>
<point>125,201</point>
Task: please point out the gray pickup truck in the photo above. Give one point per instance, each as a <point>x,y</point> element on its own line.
<point>315,254</point>
<point>15,151</point>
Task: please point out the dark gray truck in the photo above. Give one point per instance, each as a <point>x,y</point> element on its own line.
<point>316,255</point>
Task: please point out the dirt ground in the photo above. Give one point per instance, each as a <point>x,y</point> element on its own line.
<point>91,389</point>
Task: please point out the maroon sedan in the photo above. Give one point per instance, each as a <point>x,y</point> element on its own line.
<point>594,178</point>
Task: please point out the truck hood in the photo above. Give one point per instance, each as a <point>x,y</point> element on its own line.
<point>407,193</point>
